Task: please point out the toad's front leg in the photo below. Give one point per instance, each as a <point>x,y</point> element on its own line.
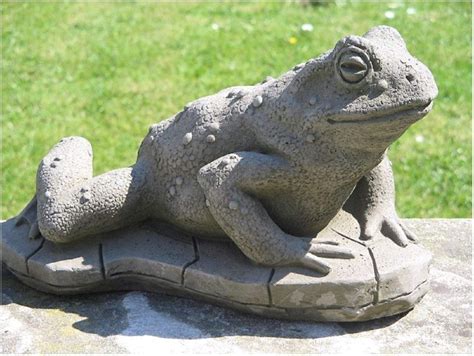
<point>231,184</point>
<point>373,204</point>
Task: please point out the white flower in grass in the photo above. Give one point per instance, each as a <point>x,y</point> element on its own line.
<point>307,27</point>
<point>389,14</point>
<point>215,26</point>
<point>411,11</point>
<point>419,138</point>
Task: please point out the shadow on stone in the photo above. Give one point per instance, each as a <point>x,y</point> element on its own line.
<point>166,316</point>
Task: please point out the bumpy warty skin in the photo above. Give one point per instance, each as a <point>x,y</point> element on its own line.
<point>258,164</point>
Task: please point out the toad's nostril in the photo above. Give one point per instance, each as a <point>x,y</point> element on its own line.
<point>410,77</point>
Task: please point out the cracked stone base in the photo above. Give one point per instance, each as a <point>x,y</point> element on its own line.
<point>382,280</point>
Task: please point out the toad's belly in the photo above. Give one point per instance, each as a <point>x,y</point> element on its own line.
<point>305,213</point>
<point>184,206</point>
<point>300,213</point>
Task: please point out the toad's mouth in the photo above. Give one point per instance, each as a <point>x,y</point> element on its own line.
<point>412,113</point>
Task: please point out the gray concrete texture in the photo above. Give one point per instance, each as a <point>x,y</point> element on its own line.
<point>382,279</point>
<point>124,322</point>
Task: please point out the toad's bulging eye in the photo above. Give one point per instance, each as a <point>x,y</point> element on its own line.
<point>352,67</point>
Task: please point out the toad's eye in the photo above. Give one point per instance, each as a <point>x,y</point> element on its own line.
<point>352,67</point>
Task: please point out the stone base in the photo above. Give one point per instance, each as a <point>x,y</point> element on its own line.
<point>382,280</point>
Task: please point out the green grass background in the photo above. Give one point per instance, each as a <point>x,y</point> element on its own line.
<point>107,71</point>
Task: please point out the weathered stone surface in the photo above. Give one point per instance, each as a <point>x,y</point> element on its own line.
<point>400,269</point>
<point>137,322</point>
<point>144,251</point>
<point>225,272</point>
<point>350,284</point>
<point>67,265</point>
<point>16,249</point>
<point>156,257</point>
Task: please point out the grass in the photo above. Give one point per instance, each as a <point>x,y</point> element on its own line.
<point>107,72</point>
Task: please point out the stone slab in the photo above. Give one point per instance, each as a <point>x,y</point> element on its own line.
<point>16,249</point>
<point>360,314</point>
<point>143,251</point>
<point>351,284</point>
<point>224,269</point>
<point>400,270</point>
<point>67,265</point>
<point>153,258</point>
<point>137,322</point>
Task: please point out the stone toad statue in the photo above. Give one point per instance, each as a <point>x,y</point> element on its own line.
<point>267,166</point>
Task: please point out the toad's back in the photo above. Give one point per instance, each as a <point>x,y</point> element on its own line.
<point>178,147</point>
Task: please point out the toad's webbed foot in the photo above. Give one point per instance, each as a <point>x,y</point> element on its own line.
<point>29,216</point>
<point>312,256</point>
<point>390,226</point>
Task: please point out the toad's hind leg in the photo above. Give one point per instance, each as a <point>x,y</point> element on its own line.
<point>72,204</point>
